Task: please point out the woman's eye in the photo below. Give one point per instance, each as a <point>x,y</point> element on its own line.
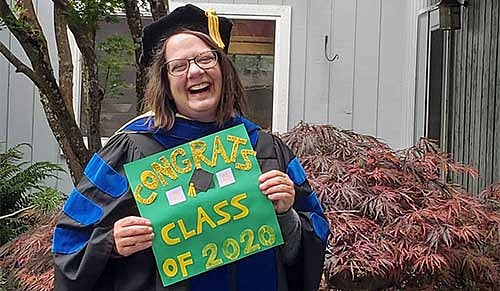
<point>205,59</point>
<point>177,67</point>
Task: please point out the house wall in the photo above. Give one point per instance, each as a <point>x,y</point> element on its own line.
<point>475,93</point>
<point>368,89</point>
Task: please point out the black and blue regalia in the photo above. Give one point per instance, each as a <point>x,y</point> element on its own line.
<point>83,244</point>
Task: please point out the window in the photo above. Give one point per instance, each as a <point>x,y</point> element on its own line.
<point>259,49</point>
<point>430,94</point>
<point>252,52</point>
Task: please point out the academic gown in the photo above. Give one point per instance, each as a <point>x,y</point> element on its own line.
<point>83,243</point>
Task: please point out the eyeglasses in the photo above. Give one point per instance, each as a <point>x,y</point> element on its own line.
<point>204,60</point>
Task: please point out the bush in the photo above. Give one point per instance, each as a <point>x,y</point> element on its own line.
<point>23,195</point>
<point>394,221</point>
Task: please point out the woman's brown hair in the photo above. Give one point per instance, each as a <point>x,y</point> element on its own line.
<point>159,99</point>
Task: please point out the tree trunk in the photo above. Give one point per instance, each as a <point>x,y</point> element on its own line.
<point>28,32</point>
<point>159,8</point>
<point>65,60</point>
<point>135,27</point>
<point>96,96</point>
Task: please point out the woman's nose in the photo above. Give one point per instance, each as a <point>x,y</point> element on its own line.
<point>194,70</point>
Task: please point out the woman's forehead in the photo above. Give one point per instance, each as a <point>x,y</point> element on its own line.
<point>184,45</point>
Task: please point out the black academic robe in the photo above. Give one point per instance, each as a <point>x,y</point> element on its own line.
<point>83,238</point>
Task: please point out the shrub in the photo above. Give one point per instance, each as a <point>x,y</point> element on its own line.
<point>23,195</point>
<point>395,221</point>
<point>25,202</point>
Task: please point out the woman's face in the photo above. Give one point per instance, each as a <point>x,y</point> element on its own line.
<point>197,92</point>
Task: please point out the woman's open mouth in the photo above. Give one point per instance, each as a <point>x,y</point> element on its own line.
<point>199,88</point>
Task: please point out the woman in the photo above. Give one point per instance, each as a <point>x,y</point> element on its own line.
<point>101,242</point>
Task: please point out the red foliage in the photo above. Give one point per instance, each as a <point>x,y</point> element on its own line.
<point>28,258</point>
<point>395,221</point>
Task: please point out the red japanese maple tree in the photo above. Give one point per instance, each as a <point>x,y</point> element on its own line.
<point>395,220</point>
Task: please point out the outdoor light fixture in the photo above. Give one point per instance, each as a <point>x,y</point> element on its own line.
<point>450,14</point>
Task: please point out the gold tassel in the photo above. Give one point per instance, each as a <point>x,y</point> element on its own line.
<point>213,27</point>
<point>191,190</point>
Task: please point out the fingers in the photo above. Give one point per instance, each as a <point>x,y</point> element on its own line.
<point>275,178</point>
<point>133,220</point>
<point>132,234</point>
<point>129,250</point>
<point>279,188</point>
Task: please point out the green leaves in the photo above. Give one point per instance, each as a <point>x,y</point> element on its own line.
<point>88,13</point>
<point>114,54</point>
<point>22,188</point>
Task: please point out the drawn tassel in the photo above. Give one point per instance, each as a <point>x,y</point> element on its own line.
<point>191,190</point>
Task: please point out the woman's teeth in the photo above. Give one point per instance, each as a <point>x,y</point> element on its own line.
<point>199,88</point>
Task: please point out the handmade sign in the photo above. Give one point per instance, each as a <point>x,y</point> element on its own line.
<point>204,203</point>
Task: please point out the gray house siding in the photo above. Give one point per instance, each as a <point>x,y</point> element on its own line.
<point>368,89</point>
<point>475,93</point>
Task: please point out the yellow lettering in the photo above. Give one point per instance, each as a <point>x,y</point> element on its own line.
<point>164,169</point>
<point>170,267</point>
<point>198,147</point>
<point>219,150</point>
<point>248,164</point>
<point>184,261</point>
<point>187,163</point>
<point>137,195</point>
<point>166,238</point>
<point>186,234</point>
<point>235,201</point>
<point>236,142</point>
<point>225,216</point>
<point>203,217</point>
<point>149,180</point>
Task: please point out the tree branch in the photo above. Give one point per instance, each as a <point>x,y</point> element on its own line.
<point>28,13</point>
<point>159,8</point>
<point>20,66</point>
<point>64,53</point>
<point>16,212</point>
<point>135,26</point>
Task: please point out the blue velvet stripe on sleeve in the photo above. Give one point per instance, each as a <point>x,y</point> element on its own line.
<point>309,203</point>
<point>296,172</point>
<point>67,241</point>
<point>319,225</point>
<point>82,209</point>
<point>104,177</point>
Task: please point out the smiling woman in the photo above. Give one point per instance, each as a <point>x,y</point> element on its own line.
<point>193,91</point>
<point>196,90</point>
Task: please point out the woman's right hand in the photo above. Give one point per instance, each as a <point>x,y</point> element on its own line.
<point>132,234</point>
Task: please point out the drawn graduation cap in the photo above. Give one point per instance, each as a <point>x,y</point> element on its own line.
<point>200,181</point>
<point>188,17</point>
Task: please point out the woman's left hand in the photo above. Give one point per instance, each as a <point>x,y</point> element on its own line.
<point>278,188</point>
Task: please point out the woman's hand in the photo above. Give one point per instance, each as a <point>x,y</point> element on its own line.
<point>278,188</point>
<point>132,234</point>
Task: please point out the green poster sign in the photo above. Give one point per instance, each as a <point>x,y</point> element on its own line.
<point>204,203</point>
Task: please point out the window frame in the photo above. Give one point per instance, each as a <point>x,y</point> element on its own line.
<point>430,21</point>
<point>280,14</point>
